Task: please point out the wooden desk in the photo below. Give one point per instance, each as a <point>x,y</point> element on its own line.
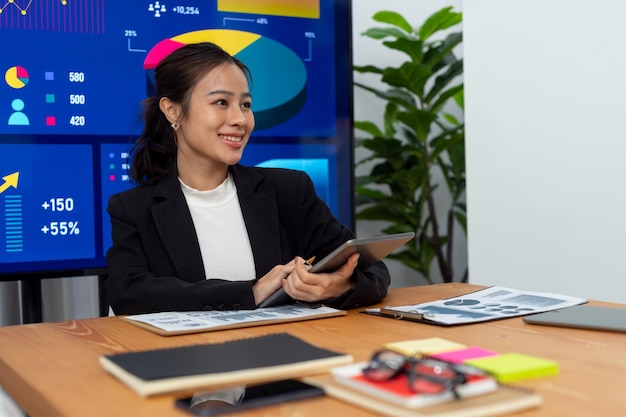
<point>52,369</point>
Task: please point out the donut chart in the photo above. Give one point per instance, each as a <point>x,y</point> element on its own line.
<point>16,77</point>
<point>279,76</point>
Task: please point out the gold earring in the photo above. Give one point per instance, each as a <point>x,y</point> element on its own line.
<point>175,125</point>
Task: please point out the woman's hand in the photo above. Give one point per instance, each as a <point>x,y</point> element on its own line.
<point>272,281</point>
<point>311,287</point>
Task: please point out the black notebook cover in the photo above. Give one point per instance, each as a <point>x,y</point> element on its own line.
<point>259,359</point>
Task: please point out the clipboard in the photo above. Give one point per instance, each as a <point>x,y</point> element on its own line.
<point>487,304</point>
<point>413,315</point>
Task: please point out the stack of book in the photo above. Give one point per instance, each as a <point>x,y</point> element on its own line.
<point>480,396</point>
<point>396,390</point>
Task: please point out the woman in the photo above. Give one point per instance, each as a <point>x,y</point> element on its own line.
<point>202,232</point>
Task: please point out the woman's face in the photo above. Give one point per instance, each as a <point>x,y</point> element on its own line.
<point>220,119</point>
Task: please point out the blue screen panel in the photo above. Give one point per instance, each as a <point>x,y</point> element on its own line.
<point>73,75</point>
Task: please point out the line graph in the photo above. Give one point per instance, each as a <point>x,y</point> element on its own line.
<point>82,16</point>
<point>22,9</point>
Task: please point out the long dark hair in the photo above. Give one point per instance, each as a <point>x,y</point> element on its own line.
<point>154,152</point>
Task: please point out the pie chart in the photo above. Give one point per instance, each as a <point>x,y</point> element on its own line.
<point>279,76</point>
<point>16,77</point>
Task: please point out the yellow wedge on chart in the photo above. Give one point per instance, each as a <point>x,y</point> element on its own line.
<point>302,8</point>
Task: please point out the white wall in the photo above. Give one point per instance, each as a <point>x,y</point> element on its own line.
<point>367,51</point>
<point>545,86</point>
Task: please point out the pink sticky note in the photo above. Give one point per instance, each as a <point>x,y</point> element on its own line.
<point>461,355</point>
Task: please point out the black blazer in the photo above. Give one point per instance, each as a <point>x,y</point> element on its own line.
<point>155,262</point>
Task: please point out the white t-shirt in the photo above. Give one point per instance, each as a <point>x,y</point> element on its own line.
<point>222,233</point>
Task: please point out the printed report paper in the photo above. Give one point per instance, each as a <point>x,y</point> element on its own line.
<point>489,304</point>
<point>195,321</point>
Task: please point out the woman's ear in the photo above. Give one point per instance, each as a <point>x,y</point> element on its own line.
<point>170,109</point>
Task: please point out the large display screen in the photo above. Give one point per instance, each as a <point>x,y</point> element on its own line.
<point>73,75</point>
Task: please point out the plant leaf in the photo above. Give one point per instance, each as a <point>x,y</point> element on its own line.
<point>412,47</point>
<point>382,33</point>
<point>368,69</point>
<point>440,20</point>
<point>441,81</point>
<point>368,127</point>
<point>419,121</point>
<point>439,54</point>
<point>393,18</point>
<point>409,76</point>
<point>444,97</point>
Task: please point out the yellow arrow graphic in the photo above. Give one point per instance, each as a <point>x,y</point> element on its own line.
<point>9,181</point>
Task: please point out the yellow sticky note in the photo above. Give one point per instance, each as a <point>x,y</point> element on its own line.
<point>510,367</point>
<point>424,346</point>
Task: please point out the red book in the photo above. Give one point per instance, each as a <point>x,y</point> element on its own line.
<point>397,391</point>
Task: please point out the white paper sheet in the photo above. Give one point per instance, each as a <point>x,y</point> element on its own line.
<point>197,320</point>
<point>489,304</point>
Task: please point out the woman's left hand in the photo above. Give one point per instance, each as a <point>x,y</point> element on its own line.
<point>303,285</point>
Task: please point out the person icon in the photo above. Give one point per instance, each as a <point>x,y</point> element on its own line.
<point>18,118</point>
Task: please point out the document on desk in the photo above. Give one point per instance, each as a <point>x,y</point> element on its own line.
<point>182,322</point>
<point>489,304</point>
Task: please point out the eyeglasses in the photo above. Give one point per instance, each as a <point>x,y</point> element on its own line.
<point>426,376</point>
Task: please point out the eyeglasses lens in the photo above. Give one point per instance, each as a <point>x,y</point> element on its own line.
<point>425,376</point>
<point>431,377</point>
<point>384,365</point>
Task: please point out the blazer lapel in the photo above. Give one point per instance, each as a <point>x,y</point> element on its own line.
<point>260,214</point>
<point>175,226</point>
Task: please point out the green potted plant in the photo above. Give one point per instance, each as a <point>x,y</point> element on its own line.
<point>420,146</point>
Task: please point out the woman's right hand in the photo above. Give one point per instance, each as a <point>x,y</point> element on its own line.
<point>269,283</point>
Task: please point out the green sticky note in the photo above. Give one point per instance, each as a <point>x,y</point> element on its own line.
<point>509,367</point>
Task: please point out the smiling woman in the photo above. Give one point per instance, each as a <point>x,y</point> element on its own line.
<point>213,129</point>
<point>201,231</point>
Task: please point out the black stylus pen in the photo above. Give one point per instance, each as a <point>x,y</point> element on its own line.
<point>399,314</point>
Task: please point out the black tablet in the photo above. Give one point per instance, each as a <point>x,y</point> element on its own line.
<point>371,249</point>
<point>585,316</point>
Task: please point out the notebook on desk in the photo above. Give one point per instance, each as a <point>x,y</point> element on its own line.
<point>211,366</point>
<point>611,319</point>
